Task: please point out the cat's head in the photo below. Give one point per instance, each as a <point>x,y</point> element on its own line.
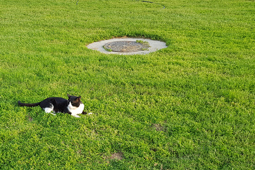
<point>74,100</point>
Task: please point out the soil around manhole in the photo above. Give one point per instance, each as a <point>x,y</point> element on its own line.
<point>125,46</point>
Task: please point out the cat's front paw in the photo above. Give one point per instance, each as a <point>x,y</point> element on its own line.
<point>76,116</point>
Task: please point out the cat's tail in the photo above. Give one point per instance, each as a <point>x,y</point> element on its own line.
<point>28,105</point>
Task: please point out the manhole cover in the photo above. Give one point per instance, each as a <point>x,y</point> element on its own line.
<point>126,46</point>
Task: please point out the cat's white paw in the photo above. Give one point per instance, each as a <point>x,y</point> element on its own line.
<point>76,116</point>
<point>90,113</point>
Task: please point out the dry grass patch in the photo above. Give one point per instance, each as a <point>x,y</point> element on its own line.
<point>158,127</point>
<point>117,156</point>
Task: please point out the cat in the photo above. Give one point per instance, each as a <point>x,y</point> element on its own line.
<point>72,106</point>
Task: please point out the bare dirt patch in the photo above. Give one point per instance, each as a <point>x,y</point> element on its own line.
<point>117,156</point>
<point>158,127</point>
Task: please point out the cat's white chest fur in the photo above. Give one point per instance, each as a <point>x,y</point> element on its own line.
<point>75,110</point>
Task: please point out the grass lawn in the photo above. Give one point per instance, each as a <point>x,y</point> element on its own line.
<point>188,106</point>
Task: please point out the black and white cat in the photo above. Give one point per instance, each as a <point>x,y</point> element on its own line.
<point>72,106</point>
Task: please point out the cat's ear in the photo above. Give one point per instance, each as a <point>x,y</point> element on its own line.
<point>78,98</point>
<point>68,95</point>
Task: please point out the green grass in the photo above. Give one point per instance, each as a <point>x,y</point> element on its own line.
<point>189,106</point>
<point>145,44</point>
<point>142,42</point>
